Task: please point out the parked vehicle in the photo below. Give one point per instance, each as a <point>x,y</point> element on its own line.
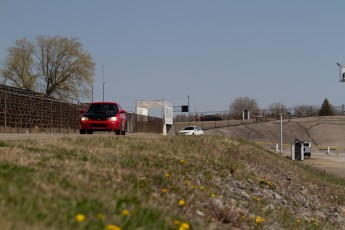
<point>211,118</point>
<point>191,130</point>
<point>103,116</point>
<point>307,149</point>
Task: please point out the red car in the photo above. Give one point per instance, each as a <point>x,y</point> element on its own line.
<point>103,116</point>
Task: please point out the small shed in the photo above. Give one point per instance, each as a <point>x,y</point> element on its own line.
<point>297,150</point>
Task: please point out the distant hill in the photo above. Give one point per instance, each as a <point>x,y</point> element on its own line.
<point>324,131</point>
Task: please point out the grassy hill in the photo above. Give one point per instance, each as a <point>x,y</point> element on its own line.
<point>161,182</point>
<point>320,131</point>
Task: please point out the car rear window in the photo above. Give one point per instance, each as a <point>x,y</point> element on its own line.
<point>102,109</point>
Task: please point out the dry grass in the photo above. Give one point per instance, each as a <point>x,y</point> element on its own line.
<point>159,182</point>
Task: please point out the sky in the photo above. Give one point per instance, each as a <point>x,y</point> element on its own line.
<point>205,53</point>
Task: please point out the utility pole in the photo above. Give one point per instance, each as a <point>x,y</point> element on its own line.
<point>103,80</point>
<point>281,132</point>
<point>188,111</point>
<point>91,93</point>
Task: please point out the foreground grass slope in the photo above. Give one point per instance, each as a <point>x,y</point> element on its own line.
<point>162,182</point>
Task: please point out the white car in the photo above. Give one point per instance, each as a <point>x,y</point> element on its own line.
<point>191,130</point>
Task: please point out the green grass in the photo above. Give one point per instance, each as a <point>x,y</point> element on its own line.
<point>2,143</point>
<point>137,183</point>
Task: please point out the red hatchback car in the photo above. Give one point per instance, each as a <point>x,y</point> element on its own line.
<point>103,116</point>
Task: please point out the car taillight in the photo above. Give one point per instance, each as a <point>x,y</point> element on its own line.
<point>84,118</point>
<point>112,118</point>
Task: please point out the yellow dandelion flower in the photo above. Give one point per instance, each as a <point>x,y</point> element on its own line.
<point>164,190</point>
<point>183,161</point>
<point>212,195</point>
<point>181,202</point>
<point>194,186</point>
<point>125,212</point>
<point>112,227</point>
<point>101,216</point>
<point>256,198</point>
<point>263,181</point>
<point>80,217</point>
<point>167,175</point>
<point>298,221</point>
<point>259,219</point>
<point>184,226</point>
<point>314,221</point>
<point>176,222</point>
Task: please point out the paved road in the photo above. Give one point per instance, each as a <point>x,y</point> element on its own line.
<point>333,163</point>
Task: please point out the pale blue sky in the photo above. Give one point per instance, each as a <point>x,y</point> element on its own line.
<point>214,51</point>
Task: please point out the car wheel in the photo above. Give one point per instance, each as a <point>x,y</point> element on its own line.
<point>123,132</point>
<point>81,131</point>
<point>118,132</point>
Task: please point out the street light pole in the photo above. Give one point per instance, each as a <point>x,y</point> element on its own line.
<point>281,132</point>
<point>103,80</point>
<point>91,93</point>
<point>188,111</point>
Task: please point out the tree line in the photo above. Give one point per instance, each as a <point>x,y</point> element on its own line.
<point>241,104</point>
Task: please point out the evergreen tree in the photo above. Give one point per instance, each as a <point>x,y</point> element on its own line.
<point>326,109</point>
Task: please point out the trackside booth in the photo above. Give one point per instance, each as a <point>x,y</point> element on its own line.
<point>297,150</point>
<point>300,150</point>
<point>142,108</point>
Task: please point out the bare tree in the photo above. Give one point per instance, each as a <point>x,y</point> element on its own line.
<point>306,110</point>
<point>241,104</point>
<point>60,65</point>
<point>18,66</point>
<point>278,108</point>
<point>66,69</point>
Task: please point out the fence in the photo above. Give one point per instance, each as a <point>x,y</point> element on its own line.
<point>292,112</point>
<point>143,124</point>
<point>25,111</point>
